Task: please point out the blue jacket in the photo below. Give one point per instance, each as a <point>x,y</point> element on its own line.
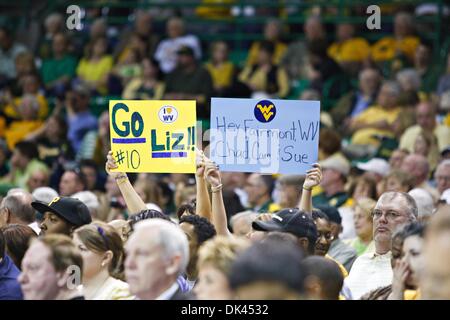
<point>9,286</point>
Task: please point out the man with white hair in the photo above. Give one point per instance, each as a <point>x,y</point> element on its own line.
<point>16,208</point>
<point>157,253</point>
<point>442,176</point>
<point>90,200</point>
<point>373,270</point>
<point>424,201</point>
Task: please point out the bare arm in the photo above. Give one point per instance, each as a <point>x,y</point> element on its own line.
<point>219,215</point>
<point>132,199</point>
<point>313,178</point>
<point>203,207</point>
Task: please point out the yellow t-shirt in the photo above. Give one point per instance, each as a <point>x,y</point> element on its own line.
<point>370,116</point>
<point>18,130</point>
<point>95,71</point>
<point>258,79</point>
<point>351,50</point>
<point>385,48</point>
<point>10,111</point>
<point>222,75</point>
<point>280,49</point>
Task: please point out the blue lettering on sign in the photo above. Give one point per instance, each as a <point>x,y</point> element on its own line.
<point>135,126</point>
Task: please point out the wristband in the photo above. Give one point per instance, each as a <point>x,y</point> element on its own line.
<point>308,189</point>
<point>121,179</point>
<point>216,189</point>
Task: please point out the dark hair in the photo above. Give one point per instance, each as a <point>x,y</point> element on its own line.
<point>88,163</point>
<point>272,260</point>
<point>2,245</point>
<point>329,141</point>
<point>17,239</point>
<point>80,176</point>
<point>267,46</point>
<point>414,229</point>
<point>319,214</point>
<point>318,47</point>
<point>155,63</point>
<point>202,227</point>
<point>369,181</point>
<point>62,126</point>
<point>146,214</point>
<point>329,274</point>
<point>27,149</point>
<point>269,183</point>
<point>189,207</point>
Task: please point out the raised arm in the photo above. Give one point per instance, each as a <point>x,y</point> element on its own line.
<point>132,199</point>
<point>203,207</point>
<point>219,215</point>
<point>313,179</point>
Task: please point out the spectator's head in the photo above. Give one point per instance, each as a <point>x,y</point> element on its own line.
<point>186,57</point>
<point>60,44</point>
<point>80,97</point>
<point>388,95</point>
<point>98,47</point>
<point>345,31</point>
<point>47,269</point>
<point>215,258</point>
<point>290,187</point>
<point>329,143</point>
<point>25,64</point>
<point>335,171</point>
<point>98,29</point>
<point>6,39</point>
<point>426,115</point>
<point>159,246</point>
<point>424,54</point>
<point>101,248</point>
<point>403,24</point>
<point>362,219</point>
<point>396,159</point>
<point>241,223</point>
<point>392,210</point>
<point>399,181</point>
<point>417,166</point>
<point>324,232</point>
<point>369,81</point>
<point>412,253</point>
<point>56,128</point>
<point>425,143</point>
<point>28,108</point>
<point>44,194</point>
<point>219,51</point>
<point>424,202</point>
<point>148,189</point>
<point>17,239</point>
<point>409,79</point>
<point>364,187</point>
<point>89,169</point>
<point>62,215</point>
<point>186,209</point>
<point>175,27</point>
<point>272,30</point>
<point>324,279</point>
<point>314,29</point>
<point>38,178</point>
<point>435,277</point>
<point>442,176</point>
<point>150,69</point>
<point>16,208</point>
<point>146,214</point>
<point>54,23</point>
<point>23,153</point>
<point>295,222</point>
<point>259,188</point>
<point>266,52</point>
<point>72,181</point>
<point>271,270</point>
<point>198,230</point>
<point>334,217</point>
<point>143,23</point>
<point>90,200</point>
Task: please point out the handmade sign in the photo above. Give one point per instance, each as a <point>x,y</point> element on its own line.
<point>265,136</point>
<point>153,136</point>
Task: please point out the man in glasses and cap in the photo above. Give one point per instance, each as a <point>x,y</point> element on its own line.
<point>62,215</point>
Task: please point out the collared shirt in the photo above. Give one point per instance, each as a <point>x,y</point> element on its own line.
<point>166,295</point>
<point>35,227</point>
<point>343,253</point>
<point>369,272</point>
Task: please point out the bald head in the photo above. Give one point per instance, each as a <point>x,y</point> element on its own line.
<point>426,115</point>
<point>17,206</point>
<point>442,176</point>
<point>417,165</point>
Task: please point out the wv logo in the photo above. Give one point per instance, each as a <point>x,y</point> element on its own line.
<point>265,111</point>
<point>168,114</point>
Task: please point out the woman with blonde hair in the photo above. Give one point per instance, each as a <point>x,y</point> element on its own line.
<point>363,226</point>
<point>102,250</point>
<point>214,264</point>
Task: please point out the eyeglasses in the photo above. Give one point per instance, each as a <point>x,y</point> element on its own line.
<point>328,236</point>
<point>390,215</point>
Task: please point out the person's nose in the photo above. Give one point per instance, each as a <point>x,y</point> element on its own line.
<point>383,219</point>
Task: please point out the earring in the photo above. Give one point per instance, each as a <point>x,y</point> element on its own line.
<point>103,264</point>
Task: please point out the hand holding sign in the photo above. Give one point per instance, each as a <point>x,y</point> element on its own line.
<point>313,177</point>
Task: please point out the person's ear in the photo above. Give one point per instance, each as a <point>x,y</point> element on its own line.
<point>313,287</point>
<point>107,258</point>
<point>304,243</point>
<point>7,216</point>
<point>173,265</point>
<point>72,230</point>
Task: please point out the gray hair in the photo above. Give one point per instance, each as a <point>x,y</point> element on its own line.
<point>44,194</point>
<point>18,202</point>
<point>444,163</point>
<point>54,17</point>
<point>393,86</point>
<point>410,75</point>
<point>423,200</point>
<point>411,206</point>
<point>170,237</point>
<point>248,215</point>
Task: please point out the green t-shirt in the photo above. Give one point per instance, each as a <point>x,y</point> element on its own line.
<point>53,69</point>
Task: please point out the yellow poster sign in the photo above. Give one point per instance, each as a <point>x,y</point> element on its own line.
<point>153,135</point>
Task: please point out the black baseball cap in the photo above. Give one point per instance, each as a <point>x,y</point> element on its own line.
<point>289,220</point>
<point>186,50</point>
<point>70,209</point>
<point>331,212</point>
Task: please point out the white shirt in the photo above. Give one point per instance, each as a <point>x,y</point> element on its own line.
<point>35,227</point>
<point>166,52</point>
<point>369,272</point>
<point>348,224</point>
<point>166,295</point>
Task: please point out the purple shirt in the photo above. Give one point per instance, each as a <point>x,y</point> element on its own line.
<point>79,125</point>
<point>9,286</point>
